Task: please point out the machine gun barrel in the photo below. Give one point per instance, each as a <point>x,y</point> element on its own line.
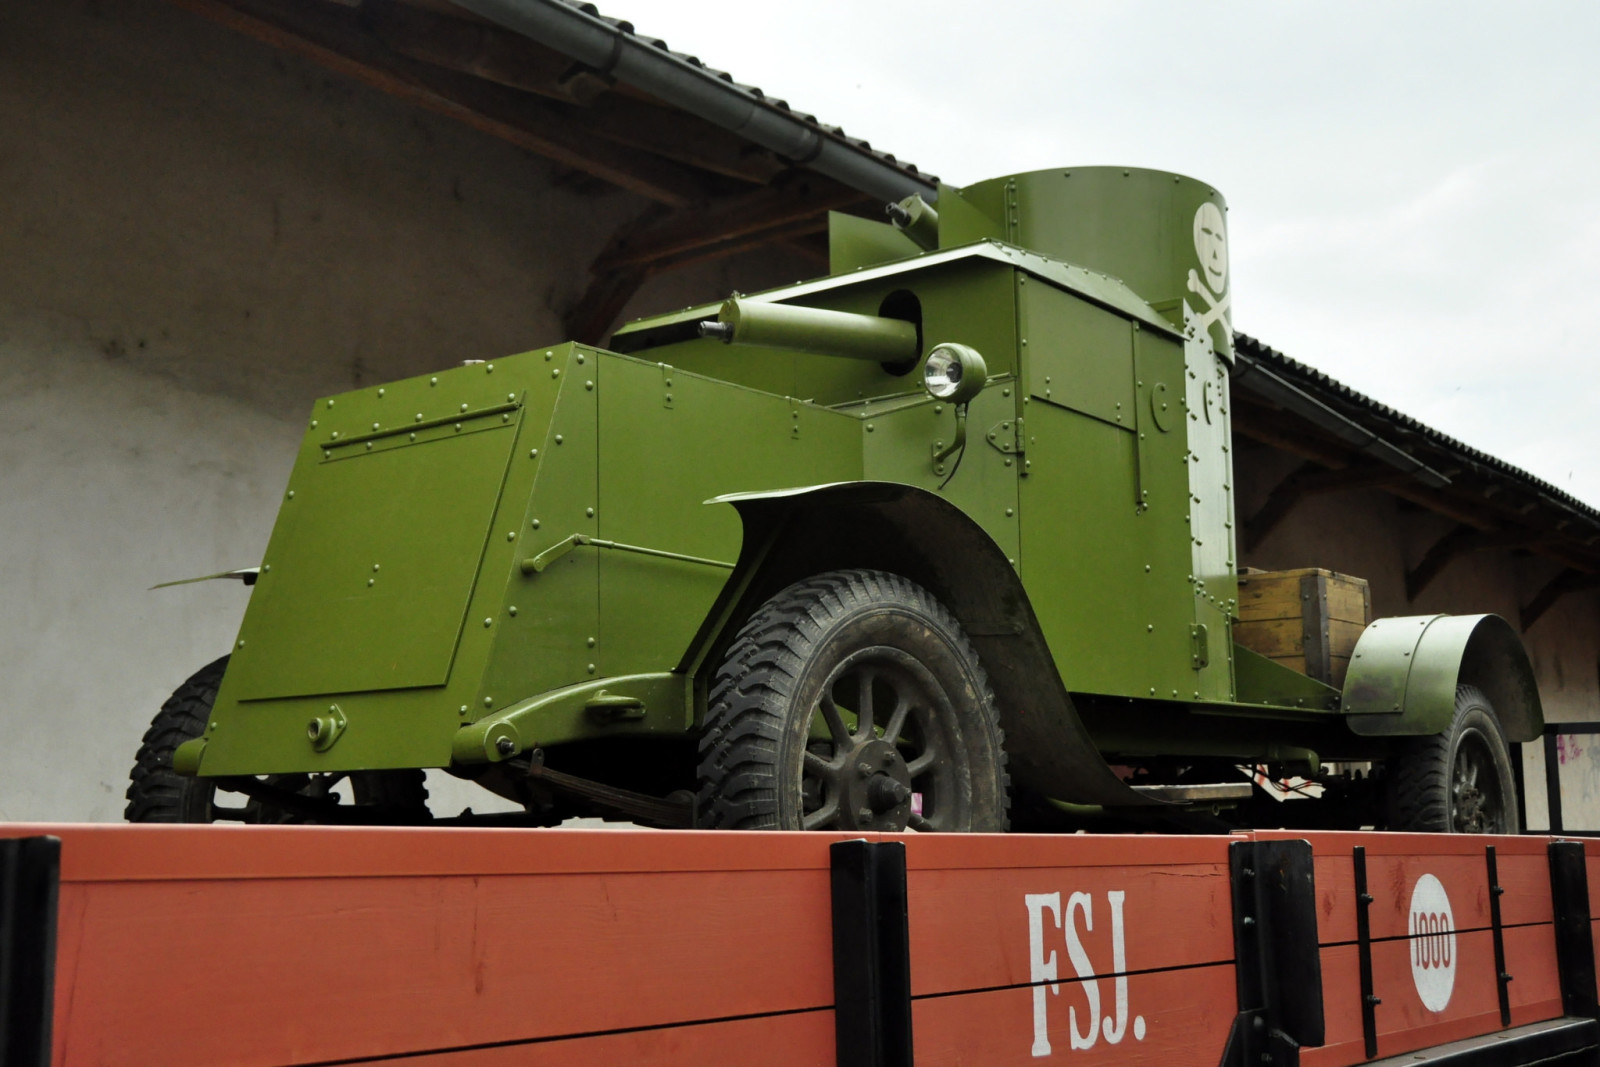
<point>825,333</point>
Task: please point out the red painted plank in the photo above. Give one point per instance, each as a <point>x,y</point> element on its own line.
<point>962,851</point>
<point>1591,864</point>
<point>1397,862</point>
<point>1172,1017</point>
<point>800,1040</point>
<point>980,928</point>
<point>1470,1000</point>
<point>195,853</point>
<point>315,969</point>
<point>477,947</point>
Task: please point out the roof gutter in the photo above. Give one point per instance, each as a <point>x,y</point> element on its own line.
<point>1253,377</point>
<point>617,53</point>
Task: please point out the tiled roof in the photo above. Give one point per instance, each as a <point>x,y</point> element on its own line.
<point>835,132</point>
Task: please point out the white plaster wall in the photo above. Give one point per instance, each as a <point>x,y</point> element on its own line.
<point>199,235</point>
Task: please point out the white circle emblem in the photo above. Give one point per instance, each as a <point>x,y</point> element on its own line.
<point>1433,943</point>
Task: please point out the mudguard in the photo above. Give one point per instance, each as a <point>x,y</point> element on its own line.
<point>1405,670</point>
<point>793,533</point>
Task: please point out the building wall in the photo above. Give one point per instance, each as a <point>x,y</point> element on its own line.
<point>1374,535</point>
<point>199,235</point>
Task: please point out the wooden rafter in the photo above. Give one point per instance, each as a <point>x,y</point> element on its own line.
<point>655,243</point>
<point>805,203</point>
<point>1506,517</point>
<point>1271,427</point>
<point>332,36</point>
<point>509,59</point>
<point>1312,479</point>
<point>1567,581</point>
<point>1459,541</point>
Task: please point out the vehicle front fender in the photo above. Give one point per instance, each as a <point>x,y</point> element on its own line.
<point>1405,670</point>
<point>791,534</point>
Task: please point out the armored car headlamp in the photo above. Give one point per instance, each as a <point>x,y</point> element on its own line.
<point>954,372</point>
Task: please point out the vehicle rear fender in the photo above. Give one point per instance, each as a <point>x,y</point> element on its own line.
<point>792,534</point>
<point>1405,670</point>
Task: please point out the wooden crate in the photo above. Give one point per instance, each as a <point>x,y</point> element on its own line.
<point>1307,619</point>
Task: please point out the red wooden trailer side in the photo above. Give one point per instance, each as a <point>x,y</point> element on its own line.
<point>265,946</point>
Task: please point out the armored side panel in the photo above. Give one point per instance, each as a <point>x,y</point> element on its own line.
<point>1127,502</point>
<point>454,547</point>
<point>1105,548</point>
<point>370,606</point>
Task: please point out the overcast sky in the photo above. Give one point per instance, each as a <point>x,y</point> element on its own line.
<point>1413,188</point>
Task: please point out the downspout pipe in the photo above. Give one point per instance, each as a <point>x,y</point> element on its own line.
<point>619,54</point>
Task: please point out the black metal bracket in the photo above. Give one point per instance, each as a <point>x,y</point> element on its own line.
<point>1502,979</point>
<point>1369,999</point>
<point>1277,966</point>
<point>871,955</point>
<point>1569,899</point>
<point>30,878</point>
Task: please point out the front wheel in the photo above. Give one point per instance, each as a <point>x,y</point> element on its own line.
<point>852,701</point>
<point>157,793</point>
<point>1459,781</point>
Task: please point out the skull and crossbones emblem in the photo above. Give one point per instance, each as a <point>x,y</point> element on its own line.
<point>1211,245</point>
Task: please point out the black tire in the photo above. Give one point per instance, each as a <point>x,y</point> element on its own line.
<point>157,793</point>
<point>1459,781</point>
<point>837,647</point>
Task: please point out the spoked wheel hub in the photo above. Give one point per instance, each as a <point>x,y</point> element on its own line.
<point>891,758</point>
<point>1476,806</point>
<point>852,700</point>
<point>1460,780</point>
<point>874,788</point>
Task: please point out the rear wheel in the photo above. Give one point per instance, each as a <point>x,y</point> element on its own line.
<point>852,701</point>
<point>1459,781</point>
<point>157,793</point>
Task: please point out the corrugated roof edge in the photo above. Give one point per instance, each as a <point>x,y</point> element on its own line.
<point>603,43</point>
<point>1330,390</point>
<point>836,132</point>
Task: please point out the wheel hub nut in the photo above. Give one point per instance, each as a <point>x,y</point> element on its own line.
<point>884,793</point>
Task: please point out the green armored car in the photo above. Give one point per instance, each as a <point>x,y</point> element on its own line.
<point>941,541</point>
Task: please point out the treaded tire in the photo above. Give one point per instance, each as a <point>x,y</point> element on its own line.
<point>1458,781</point>
<point>157,793</point>
<point>773,755</point>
